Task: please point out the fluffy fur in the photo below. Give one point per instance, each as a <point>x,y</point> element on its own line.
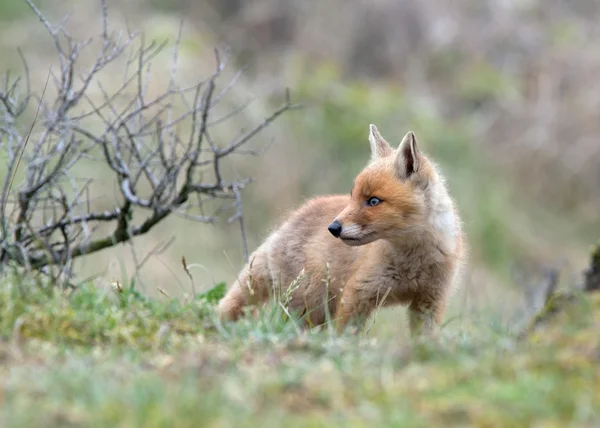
<point>404,247</point>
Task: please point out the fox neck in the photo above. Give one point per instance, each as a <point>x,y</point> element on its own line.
<point>440,228</point>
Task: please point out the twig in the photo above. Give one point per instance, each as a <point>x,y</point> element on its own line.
<point>20,156</point>
<point>189,274</point>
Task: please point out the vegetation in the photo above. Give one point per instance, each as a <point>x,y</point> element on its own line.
<point>116,358</point>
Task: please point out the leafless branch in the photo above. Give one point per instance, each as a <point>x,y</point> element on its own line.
<point>129,134</point>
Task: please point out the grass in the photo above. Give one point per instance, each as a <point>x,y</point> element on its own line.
<point>95,357</point>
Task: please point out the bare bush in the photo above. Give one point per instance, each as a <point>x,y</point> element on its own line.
<point>47,216</point>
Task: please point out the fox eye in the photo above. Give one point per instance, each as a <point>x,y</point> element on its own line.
<point>373,201</point>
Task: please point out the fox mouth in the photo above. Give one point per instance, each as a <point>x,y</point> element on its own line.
<point>355,241</point>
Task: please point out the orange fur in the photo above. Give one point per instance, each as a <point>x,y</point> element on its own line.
<point>405,249</point>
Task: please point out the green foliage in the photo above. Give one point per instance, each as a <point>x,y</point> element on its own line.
<point>337,117</point>
<point>564,33</point>
<point>481,82</point>
<point>89,316</point>
<point>168,6</point>
<point>12,9</point>
<point>214,294</point>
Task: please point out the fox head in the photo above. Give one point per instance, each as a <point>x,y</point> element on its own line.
<point>391,194</point>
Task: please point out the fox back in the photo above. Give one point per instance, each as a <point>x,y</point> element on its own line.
<point>396,239</point>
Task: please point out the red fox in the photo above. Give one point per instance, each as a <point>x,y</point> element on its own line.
<point>396,239</point>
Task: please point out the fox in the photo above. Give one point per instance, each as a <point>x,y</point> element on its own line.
<point>396,239</point>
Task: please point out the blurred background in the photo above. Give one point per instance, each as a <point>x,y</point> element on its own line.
<point>503,94</point>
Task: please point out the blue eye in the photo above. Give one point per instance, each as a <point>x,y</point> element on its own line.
<point>373,201</point>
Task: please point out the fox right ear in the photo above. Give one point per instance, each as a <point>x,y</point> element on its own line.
<point>379,147</point>
<point>408,156</point>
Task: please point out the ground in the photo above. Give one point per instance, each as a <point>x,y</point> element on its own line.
<point>97,357</point>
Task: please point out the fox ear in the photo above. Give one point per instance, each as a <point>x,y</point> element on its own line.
<point>408,156</point>
<point>379,147</point>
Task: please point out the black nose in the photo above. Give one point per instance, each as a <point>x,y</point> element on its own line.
<point>335,228</point>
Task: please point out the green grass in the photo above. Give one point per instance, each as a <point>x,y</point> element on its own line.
<point>97,357</point>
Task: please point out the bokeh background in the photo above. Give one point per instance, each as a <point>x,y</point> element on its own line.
<point>505,95</point>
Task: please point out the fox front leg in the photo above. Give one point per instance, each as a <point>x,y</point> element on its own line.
<point>425,316</point>
<point>354,307</point>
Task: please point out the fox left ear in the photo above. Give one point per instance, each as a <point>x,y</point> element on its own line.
<point>408,156</point>
<point>379,147</point>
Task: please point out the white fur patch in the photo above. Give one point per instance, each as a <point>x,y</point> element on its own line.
<point>351,231</point>
<point>442,217</point>
<point>445,222</point>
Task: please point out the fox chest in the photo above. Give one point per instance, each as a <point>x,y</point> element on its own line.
<point>401,279</point>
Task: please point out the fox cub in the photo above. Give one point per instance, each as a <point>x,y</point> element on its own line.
<point>396,239</point>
